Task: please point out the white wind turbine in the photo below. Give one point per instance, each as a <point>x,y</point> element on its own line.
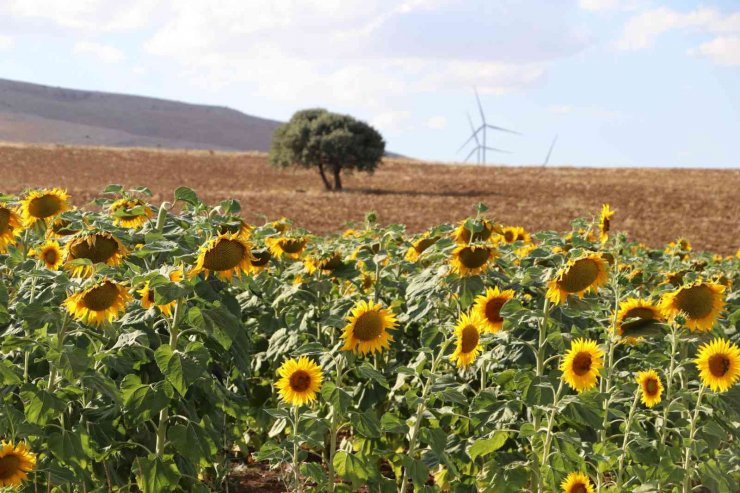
<point>480,135</point>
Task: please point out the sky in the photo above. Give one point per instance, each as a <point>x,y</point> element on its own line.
<point>620,82</point>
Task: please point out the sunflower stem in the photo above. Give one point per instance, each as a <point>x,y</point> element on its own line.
<point>625,440</point>
<point>296,475</point>
<point>334,422</point>
<point>540,370</point>
<point>550,423</point>
<point>669,383</point>
<point>690,443</point>
<point>164,414</point>
<point>161,216</point>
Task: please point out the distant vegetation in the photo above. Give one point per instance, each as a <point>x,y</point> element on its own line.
<point>328,141</point>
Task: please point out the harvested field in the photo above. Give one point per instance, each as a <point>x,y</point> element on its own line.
<point>653,205</point>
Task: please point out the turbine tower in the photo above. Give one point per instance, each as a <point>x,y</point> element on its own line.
<point>549,152</point>
<point>480,135</point>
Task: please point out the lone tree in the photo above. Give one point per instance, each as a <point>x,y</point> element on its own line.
<point>328,141</point>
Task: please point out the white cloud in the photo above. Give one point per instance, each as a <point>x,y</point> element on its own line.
<point>392,122</point>
<point>437,122</point>
<point>723,50</point>
<point>606,5</point>
<point>106,53</point>
<point>6,42</point>
<point>94,15</point>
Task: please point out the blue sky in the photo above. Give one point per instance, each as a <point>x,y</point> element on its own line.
<point>622,82</point>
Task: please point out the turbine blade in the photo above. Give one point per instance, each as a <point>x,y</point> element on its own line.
<point>496,149</point>
<point>502,129</point>
<point>549,152</point>
<point>471,153</point>
<point>480,106</point>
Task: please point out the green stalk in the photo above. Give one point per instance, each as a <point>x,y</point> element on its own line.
<point>669,383</point>
<point>296,475</point>
<point>164,414</point>
<point>627,426</point>
<point>550,423</point>
<point>334,427</point>
<point>690,443</point>
<point>540,370</point>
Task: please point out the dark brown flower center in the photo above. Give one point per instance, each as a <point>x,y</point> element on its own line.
<point>368,326</point>
<point>474,257</point>
<point>696,301</point>
<point>719,365</point>
<point>225,255</point>
<point>50,256</point>
<point>493,309</point>
<point>606,223</point>
<point>61,227</point>
<point>651,387</point>
<point>482,235</point>
<point>580,275</point>
<point>261,258</point>
<point>640,312</point>
<point>45,206</point>
<point>98,248</point>
<point>579,488</point>
<point>331,264</point>
<point>425,243</point>
<point>4,219</point>
<point>9,466</point>
<point>291,246</point>
<point>469,339</point>
<point>582,364</point>
<point>101,297</point>
<point>509,237</point>
<point>300,381</point>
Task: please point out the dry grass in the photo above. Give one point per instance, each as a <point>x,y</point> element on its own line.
<point>653,205</point>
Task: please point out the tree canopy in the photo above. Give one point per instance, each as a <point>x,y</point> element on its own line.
<point>330,142</point>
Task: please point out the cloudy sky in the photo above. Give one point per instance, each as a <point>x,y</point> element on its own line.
<point>622,82</point>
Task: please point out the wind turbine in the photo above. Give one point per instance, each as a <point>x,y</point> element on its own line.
<point>481,145</point>
<point>549,153</point>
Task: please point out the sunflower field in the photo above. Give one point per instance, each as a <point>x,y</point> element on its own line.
<point>155,349</point>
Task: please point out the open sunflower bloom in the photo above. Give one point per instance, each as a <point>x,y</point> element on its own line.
<point>471,260</point>
<point>580,275</point>
<point>50,253</point>
<point>367,328</point>
<point>42,205</point>
<point>420,245</point>
<point>581,364</point>
<point>699,302</point>
<point>467,334</point>
<point>576,482</point>
<point>718,363</point>
<point>488,307</point>
<point>651,388</point>
<point>286,247</point>
<point>225,256</point>
<point>16,461</point>
<point>10,227</point>
<point>103,302</point>
<point>634,308</point>
<point>98,247</point>
<point>299,381</point>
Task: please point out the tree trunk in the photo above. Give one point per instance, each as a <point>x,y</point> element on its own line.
<point>337,179</point>
<point>323,177</point>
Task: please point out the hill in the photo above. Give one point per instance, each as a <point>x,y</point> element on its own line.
<point>34,113</point>
<point>654,206</point>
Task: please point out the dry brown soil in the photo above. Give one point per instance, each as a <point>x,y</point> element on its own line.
<point>653,205</point>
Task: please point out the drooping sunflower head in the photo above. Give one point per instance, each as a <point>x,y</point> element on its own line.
<point>60,228</point>
<point>102,302</point>
<point>699,302</point>
<point>367,328</point>
<point>16,461</point>
<point>581,364</point>
<point>98,247</point>
<point>10,227</point>
<point>50,253</point>
<point>467,335</point>
<point>651,388</point>
<point>512,234</point>
<point>576,482</point>
<point>287,247</point>
<point>130,213</point>
<point>578,276</point>
<point>281,225</point>
<point>41,205</point>
<point>471,260</point>
<point>488,307</point>
<point>260,260</point>
<point>634,308</point>
<point>147,300</point>
<point>463,235</point>
<point>419,246</point>
<point>605,222</point>
<point>299,381</point>
<point>718,363</point>
<point>225,256</point>
<point>326,263</point>
<point>679,247</point>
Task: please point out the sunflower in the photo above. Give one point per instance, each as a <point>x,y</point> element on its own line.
<point>581,364</point>
<point>16,461</point>
<point>488,307</point>
<point>467,334</point>
<point>419,246</point>
<point>576,482</point>
<point>281,225</point>
<point>605,222</point>
<point>50,254</point>
<point>40,205</point>
<point>718,363</point>
<point>299,381</point>
<point>577,277</point>
<point>283,246</point>
<point>60,228</point>
<point>470,260</point>
<point>462,235</point>
<point>636,308</point>
<point>651,387</point>
<point>224,255</point>
<point>512,234</point>
<point>699,302</point>
<point>260,260</point>
<point>147,294</point>
<point>102,302</point>
<point>680,245</point>
<point>131,213</point>
<point>367,330</point>
<point>10,227</point>
<point>98,248</point>
<point>327,264</point>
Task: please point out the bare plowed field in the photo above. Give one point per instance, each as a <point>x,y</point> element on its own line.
<point>653,205</point>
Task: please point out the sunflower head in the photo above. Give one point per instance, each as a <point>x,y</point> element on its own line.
<point>651,388</point>
<point>581,364</point>
<point>16,461</point>
<point>578,276</point>
<point>367,328</point>
<point>50,253</point>
<point>634,308</point>
<point>225,256</point>
<point>488,307</point>
<point>260,260</point>
<point>146,296</point>
<point>287,247</point>
<point>326,264</point>
<point>98,247</point>
<point>10,227</point>
<point>60,228</point>
<point>605,222</point>
<point>699,302</point>
<point>512,234</point>
<point>103,302</point>
<point>131,213</point>
<point>467,335</point>
<point>471,260</point>
<point>41,205</point>
<point>718,363</point>
<point>299,381</point>
<point>419,246</point>
<point>462,235</point>
<point>576,482</point>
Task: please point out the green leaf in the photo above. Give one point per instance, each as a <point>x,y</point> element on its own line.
<point>142,402</point>
<point>154,475</point>
<point>367,371</point>
<point>8,373</point>
<point>187,195</point>
<point>366,424</point>
<point>42,406</point>
<point>418,471</point>
<point>191,441</point>
<point>351,468</point>
<point>485,446</point>
<point>182,369</point>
